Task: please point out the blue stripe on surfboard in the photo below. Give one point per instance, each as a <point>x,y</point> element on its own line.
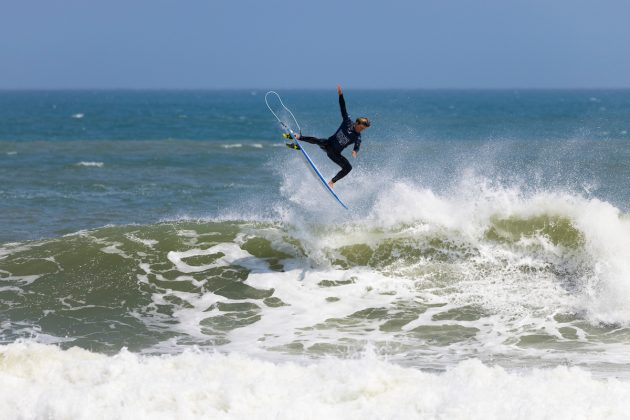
<point>319,174</point>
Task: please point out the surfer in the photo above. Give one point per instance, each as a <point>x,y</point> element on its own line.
<point>349,132</point>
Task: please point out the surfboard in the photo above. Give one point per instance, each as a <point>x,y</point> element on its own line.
<point>288,130</point>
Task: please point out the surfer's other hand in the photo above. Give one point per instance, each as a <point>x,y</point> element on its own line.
<point>339,91</point>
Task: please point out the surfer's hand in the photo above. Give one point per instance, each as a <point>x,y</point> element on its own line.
<point>339,90</point>
<point>297,136</point>
<point>354,154</point>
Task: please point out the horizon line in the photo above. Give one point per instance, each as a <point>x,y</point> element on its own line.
<point>34,89</point>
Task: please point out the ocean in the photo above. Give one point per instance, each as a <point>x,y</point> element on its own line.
<point>164,255</point>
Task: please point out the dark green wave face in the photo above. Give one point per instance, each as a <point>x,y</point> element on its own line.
<point>115,287</point>
<point>558,230</point>
<point>416,293</point>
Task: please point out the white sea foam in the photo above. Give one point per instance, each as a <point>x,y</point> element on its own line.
<point>605,294</point>
<point>146,242</point>
<point>78,116</point>
<point>512,282</point>
<point>241,145</point>
<point>91,164</point>
<point>227,253</point>
<point>522,286</point>
<point>41,381</point>
<point>113,249</point>
<point>469,208</point>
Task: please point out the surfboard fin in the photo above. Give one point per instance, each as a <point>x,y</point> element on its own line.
<point>293,146</point>
<point>287,136</point>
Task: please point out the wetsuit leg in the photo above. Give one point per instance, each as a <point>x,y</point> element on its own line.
<point>340,160</point>
<point>314,140</point>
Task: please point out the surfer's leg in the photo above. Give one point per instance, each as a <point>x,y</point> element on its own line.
<point>313,140</point>
<point>340,160</point>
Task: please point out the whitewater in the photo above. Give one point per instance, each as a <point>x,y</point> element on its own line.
<point>44,382</point>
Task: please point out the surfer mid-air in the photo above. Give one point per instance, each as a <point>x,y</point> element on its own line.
<point>348,133</point>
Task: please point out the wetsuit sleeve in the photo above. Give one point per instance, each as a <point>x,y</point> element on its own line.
<point>357,144</point>
<point>342,106</point>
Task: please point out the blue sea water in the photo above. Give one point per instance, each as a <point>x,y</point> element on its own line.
<point>487,241</point>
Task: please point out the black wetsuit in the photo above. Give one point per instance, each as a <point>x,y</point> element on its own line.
<point>343,137</point>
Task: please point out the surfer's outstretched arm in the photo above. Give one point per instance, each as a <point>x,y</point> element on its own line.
<point>342,103</point>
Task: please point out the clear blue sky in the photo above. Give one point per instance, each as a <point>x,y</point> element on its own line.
<point>314,44</point>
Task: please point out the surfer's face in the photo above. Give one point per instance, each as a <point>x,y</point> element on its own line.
<point>359,127</point>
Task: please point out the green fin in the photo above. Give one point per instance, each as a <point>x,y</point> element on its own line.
<point>286,136</point>
<point>293,146</point>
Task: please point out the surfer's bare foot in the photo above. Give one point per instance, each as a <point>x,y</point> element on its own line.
<point>331,184</point>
